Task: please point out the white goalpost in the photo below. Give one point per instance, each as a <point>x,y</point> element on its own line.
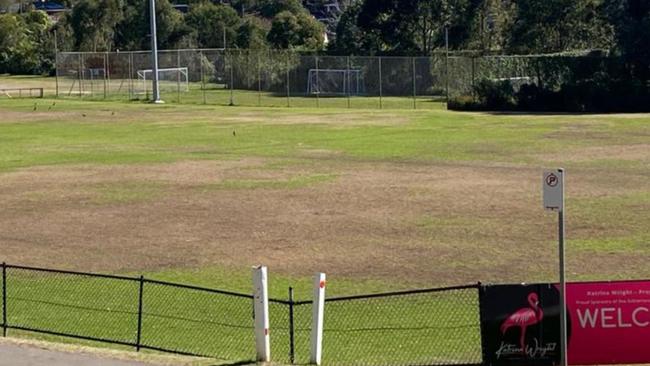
<point>174,78</point>
<point>335,82</point>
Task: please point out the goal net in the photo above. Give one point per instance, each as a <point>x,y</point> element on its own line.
<point>335,82</point>
<point>169,79</point>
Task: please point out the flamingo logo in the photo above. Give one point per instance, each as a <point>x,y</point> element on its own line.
<point>523,318</point>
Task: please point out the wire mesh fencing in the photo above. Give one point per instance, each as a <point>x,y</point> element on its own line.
<point>136,312</point>
<point>281,78</point>
<point>273,78</point>
<point>423,327</point>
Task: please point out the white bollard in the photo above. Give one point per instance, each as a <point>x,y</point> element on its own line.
<point>261,309</point>
<point>317,319</point>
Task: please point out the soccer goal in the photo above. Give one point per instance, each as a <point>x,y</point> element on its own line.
<point>335,82</point>
<point>169,79</point>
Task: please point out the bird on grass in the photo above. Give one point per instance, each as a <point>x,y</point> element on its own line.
<point>234,133</point>
<point>112,113</point>
<point>83,114</point>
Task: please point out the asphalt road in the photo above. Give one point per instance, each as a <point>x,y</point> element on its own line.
<point>25,355</point>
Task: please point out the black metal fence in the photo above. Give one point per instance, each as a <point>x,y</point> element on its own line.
<point>422,327</point>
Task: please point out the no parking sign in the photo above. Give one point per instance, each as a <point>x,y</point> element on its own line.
<point>554,190</point>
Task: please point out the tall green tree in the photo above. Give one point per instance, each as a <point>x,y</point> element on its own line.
<point>93,23</point>
<point>558,25</point>
<point>297,31</point>
<point>252,33</point>
<point>213,24</point>
<point>631,23</point>
<point>416,26</point>
<point>25,43</point>
<point>132,32</point>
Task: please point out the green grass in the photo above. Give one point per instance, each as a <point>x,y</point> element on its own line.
<point>441,327</point>
<point>421,329</point>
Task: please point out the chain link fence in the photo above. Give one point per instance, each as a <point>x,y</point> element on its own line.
<point>277,78</point>
<point>255,78</point>
<point>136,312</point>
<point>423,327</point>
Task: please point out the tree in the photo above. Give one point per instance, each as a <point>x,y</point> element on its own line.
<point>132,33</point>
<point>38,27</point>
<point>209,23</point>
<point>252,33</point>
<point>631,22</point>
<point>17,52</point>
<point>350,38</point>
<point>296,31</point>
<point>416,26</point>
<point>25,44</point>
<point>93,24</point>
<point>558,25</point>
<point>271,8</point>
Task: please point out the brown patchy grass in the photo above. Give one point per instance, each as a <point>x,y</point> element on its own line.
<point>416,222</point>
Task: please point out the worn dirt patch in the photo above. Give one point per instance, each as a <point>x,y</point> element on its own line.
<point>345,119</point>
<point>419,223</point>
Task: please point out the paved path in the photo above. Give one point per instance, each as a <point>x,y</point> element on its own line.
<point>25,355</point>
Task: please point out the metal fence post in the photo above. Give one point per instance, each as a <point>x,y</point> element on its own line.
<point>259,80</point>
<point>447,64</point>
<point>317,85</point>
<point>414,91</point>
<point>347,78</point>
<point>105,71</point>
<point>178,76</point>
<point>80,76</point>
<point>288,87</point>
<point>232,80</point>
<point>139,334</point>
<point>56,62</point>
<point>292,346</point>
<point>202,75</point>
<point>130,71</point>
<point>380,91</point>
<point>4,299</point>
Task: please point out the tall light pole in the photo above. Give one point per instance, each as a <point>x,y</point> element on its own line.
<point>154,52</point>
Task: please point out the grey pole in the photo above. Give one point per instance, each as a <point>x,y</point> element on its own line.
<point>380,91</point>
<point>154,51</point>
<point>317,85</point>
<point>414,84</point>
<point>563,315</point>
<point>447,63</point>
<point>347,80</point>
<point>56,62</point>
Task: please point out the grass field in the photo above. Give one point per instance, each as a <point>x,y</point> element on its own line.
<point>379,199</point>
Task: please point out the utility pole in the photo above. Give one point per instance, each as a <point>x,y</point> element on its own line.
<point>154,52</point>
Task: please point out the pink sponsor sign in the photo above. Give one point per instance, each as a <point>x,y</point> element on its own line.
<point>610,322</point>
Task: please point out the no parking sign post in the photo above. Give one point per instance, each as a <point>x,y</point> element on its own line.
<point>553,183</point>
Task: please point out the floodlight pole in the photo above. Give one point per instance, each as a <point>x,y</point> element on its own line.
<point>154,52</point>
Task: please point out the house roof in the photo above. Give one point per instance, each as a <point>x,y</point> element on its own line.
<point>49,6</point>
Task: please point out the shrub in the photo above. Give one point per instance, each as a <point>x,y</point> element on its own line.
<point>495,94</point>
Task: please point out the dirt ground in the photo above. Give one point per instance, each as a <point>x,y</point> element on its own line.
<point>413,222</point>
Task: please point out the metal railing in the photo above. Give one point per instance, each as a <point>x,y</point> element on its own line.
<point>432,326</point>
<point>21,92</point>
